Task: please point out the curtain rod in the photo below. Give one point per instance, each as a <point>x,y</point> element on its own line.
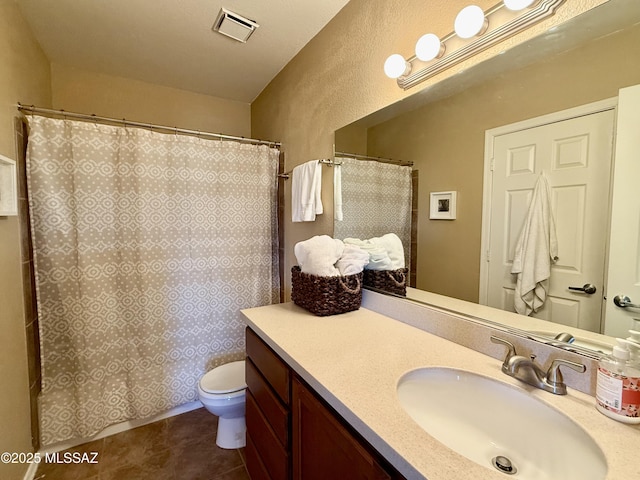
<point>325,161</point>
<point>402,163</point>
<point>47,111</point>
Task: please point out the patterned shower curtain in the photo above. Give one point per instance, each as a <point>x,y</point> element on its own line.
<point>146,245</point>
<point>376,199</point>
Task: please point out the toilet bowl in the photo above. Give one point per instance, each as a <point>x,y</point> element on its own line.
<point>222,392</point>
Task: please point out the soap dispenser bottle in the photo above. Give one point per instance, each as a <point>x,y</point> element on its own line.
<point>618,385</point>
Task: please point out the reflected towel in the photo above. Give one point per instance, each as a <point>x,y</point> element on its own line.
<point>353,260</point>
<point>537,247</point>
<point>306,187</point>
<point>393,246</point>
<point>378,256</point>
<point>337,192</point>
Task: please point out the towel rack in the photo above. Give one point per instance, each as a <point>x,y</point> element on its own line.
<point>326,161</point>
<point>402,163</point>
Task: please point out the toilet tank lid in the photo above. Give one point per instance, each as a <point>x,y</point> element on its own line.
<point>225,378</point>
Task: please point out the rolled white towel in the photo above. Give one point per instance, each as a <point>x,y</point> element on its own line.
<point>353,260</point>
<point>378,256</point>
<point>318,255</point>
<point>393,246</point>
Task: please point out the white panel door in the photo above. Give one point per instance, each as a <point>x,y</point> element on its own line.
<point>624,259</point>
<point>575,156</point>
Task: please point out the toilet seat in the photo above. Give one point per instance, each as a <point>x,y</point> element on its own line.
<point>225,379</point>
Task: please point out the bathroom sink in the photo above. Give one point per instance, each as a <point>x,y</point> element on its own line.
<point>499,426</point>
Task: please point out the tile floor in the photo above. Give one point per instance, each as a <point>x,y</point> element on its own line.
<point>181,447</point>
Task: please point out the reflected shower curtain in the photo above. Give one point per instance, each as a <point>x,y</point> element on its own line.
<point>146,246</point>
<point>376,199</point>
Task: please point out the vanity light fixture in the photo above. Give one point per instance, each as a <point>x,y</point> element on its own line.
<point>429,47</point>
<point>517,5</point>
<point>470,22</point>
<point>474,31</point>
<point>396,66</point>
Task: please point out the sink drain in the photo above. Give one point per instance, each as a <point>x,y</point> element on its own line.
<point>504,465</point>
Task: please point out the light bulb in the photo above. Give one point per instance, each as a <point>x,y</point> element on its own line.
<point>429,47</point>
<point>470,22</point>
<point>396,66</point>
<point>516,5</point>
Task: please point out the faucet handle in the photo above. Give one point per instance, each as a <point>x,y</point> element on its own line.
<point>554,375</point>
<point>511,352</point>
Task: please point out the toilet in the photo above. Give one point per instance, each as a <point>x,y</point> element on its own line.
<point>222,392</point>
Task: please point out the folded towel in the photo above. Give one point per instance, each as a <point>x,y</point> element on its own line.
<point>393,246</point>
<point>306,187</point>
<point>353,260</point>
<point>537,247</point>
<point>378,256</point>
<point>318,255</point>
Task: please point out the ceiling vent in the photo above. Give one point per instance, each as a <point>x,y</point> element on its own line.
<point>233,25</point>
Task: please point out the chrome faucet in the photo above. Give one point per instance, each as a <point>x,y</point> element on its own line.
<point>526,370</point>
<point>565,337</point>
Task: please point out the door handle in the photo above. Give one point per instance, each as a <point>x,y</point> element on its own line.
<point>623,301</point>
<point>588,288</point>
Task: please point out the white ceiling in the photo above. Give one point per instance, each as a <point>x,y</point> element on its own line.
<point>170,42</point>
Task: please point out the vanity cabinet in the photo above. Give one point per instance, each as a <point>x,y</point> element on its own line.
<point>323,447</point>
<point>293,434</point>
<point>268,414</point>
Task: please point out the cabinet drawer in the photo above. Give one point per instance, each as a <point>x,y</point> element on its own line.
<point>273,456</point>
<point>255,467</point>
<point>274,370</point>
<point>275,413</point>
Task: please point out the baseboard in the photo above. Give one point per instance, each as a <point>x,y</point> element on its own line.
<point>120,427</point>
<point>31,471</point>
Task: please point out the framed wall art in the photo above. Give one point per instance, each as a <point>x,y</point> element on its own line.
<point>8,187</point>
<point>442,206</point>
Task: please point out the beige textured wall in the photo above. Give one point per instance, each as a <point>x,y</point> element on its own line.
<point>77,90</point>
<point>25,77</point>
<point>445,139</point>
<point>338,78</point>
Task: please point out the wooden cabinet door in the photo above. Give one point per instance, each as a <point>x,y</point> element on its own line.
<point>322,447</point>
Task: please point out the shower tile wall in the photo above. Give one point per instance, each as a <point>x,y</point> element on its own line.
<point>414,229</point>
<point>28,283</point>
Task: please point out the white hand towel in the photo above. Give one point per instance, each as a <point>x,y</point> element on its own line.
<point>353,260</point>
<point>306,187</point>
<point>378,256</point>
<point>337,192</point>
<point>537,247</point>
<point>393,246</point>
<point>318,255</point>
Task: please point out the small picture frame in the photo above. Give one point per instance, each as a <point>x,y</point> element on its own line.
<point>442,206</point>
<point>8,187</point>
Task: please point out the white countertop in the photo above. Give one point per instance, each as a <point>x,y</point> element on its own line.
<point>354,361</point>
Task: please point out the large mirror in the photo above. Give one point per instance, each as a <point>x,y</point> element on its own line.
<point>442,130</point>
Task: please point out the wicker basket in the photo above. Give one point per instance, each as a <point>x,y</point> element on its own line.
<point>392,281</point>
<point>324,296</point>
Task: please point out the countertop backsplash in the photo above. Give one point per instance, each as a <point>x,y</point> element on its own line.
<point>476,336</point>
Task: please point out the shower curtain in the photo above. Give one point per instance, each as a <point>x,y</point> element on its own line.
<point>376,199</point>
<point>146,247</point>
